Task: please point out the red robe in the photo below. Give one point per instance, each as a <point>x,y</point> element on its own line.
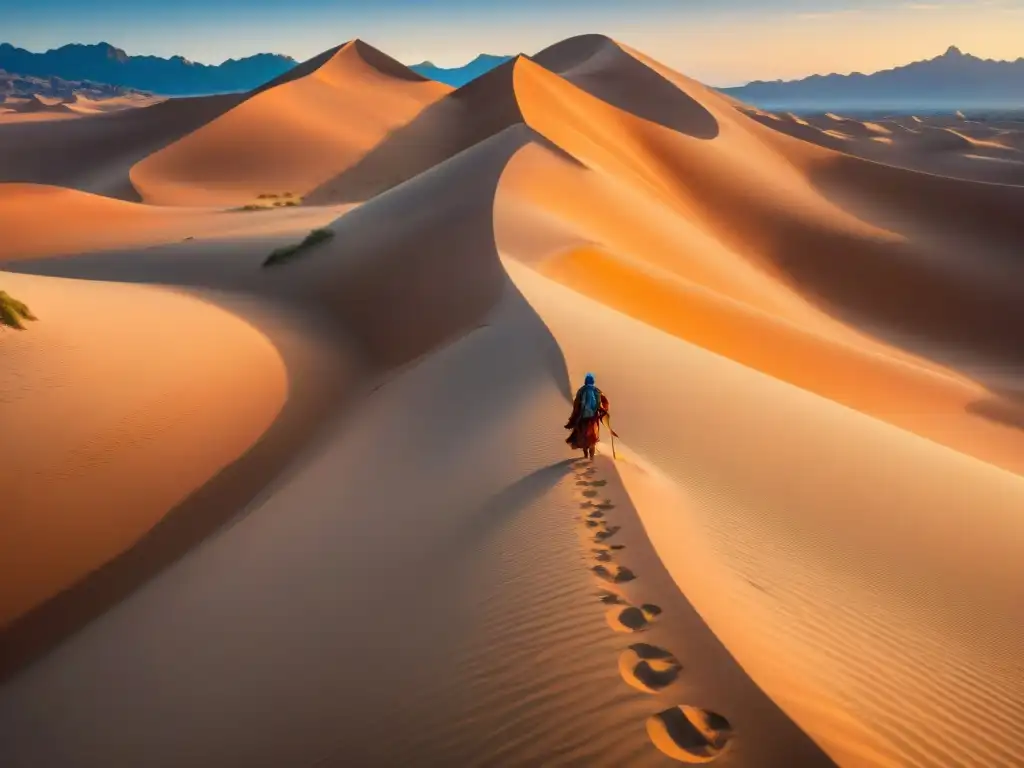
<point>585,432</point>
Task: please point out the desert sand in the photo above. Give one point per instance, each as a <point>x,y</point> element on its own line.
<point>38,108</point>
<point>957,146</point>
<point>321,512</point>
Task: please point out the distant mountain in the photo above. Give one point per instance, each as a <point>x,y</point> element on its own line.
<point>459,76</point>
<point>953,80</point>
<point>176,76</point>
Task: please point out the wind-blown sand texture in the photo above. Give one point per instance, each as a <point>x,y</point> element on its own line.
<point>378,550</point>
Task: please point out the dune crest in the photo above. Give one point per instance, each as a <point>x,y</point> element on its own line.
<point>290,136</point>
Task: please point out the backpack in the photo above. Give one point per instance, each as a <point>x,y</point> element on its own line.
<point>589,402</point>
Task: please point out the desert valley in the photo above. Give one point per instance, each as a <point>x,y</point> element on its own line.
<point>284,479</point>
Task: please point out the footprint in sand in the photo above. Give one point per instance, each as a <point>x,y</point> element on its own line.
<point>631,618</point>
<point>604,505</point>
<point>602,555</point>
<point>589,494</point>
<point>617,546</point>
<point>609,598</point>
<point>606,533</point>
<point>648,667</point>
<point>620,575</point>
<point>592,523</point>
<point>597,514</point>
<point>592,483</point>
<point>690,734</point>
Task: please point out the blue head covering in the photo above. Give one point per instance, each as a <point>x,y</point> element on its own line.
<point>589,380</point>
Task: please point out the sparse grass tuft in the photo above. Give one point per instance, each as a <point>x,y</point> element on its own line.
<point>13,312</point>
<point>291,251</point>
<point>267,201</point>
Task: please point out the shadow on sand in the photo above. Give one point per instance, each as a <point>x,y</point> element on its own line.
<point>1004,407</point>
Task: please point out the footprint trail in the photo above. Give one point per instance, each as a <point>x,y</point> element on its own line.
<point>683,732</point>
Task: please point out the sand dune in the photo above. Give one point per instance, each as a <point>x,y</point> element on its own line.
<point>109,416</point>
<point>806,548</point>
<point>289,138</point>
<point>95,223</point>
<point>956,148</point>
<point>37,103</point>
<point>95,153</point>
<point>86,106</point>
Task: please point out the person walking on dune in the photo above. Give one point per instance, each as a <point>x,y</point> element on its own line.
<point>588,409</point>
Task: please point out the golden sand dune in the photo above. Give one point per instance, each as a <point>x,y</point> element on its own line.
<point>948,147</point>
<point>90,222</point>
<point>808,545</point>
<point>85,106</point>
<point>112,422</point>
<point>289,137</point>
<point>95,153</point>
<point>39,108</point>
<point>37,103</point>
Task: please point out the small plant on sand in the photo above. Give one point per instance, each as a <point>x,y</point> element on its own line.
<point>13,312</point>
<point>267,201</point>
<point>291,251</point>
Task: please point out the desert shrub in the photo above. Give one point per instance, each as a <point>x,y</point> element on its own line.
<point>13,312</point>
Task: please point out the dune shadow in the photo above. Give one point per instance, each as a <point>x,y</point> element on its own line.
<point>600,67</point>
<point>1004,407</point>
<point>511,500</point>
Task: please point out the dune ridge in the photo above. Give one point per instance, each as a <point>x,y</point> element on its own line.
<point>287,136</point>
<point>813,360</point>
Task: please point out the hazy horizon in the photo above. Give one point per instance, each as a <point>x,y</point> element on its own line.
<point>748,40</point>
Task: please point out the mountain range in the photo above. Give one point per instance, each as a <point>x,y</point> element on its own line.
<point>953,80</point>
<point>459,76</point>
<point>176,76</point>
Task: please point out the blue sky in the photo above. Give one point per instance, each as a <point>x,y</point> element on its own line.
<point>722,42</point>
